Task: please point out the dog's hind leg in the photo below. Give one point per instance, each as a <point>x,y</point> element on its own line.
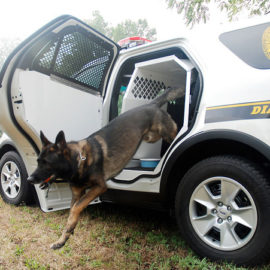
<point>95,191</point>
<point>151,136</point>
<point>168,128</point>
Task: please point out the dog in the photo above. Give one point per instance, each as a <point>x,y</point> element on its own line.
<point>87,164</point>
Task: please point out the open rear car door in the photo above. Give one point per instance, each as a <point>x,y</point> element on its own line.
<point>55,80</point>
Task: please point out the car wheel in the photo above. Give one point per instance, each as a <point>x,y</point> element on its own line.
<point>14,188</point>
<point>223,210</point>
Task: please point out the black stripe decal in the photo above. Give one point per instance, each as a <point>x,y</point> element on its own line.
<point>244,111</point>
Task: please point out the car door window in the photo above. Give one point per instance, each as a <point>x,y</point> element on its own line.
<point>78,57</point>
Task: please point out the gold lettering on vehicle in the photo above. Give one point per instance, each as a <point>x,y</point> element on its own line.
<point>261,109</point>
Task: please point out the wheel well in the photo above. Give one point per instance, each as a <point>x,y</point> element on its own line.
<point>6,148</point>
<point>202,151</point>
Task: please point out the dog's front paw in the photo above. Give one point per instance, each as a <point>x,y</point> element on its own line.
<point>57,245</point>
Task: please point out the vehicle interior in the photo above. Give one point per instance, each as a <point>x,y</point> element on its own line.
<point>141,79</point>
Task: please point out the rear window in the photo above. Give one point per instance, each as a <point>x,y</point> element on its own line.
<point>251,44</point>
<point>77,56</point>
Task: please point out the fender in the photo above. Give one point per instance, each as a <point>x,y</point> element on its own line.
<point>6,144</point>
<point>207,136</point>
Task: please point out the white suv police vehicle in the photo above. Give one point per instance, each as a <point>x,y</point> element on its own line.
<point>215,174</point>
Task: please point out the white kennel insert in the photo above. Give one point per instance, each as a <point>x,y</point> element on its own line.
<point>146,82</point>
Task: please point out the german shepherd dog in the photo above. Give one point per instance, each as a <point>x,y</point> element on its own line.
<point>87,164</point>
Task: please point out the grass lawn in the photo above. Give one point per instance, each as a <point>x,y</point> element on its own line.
<point>107,237</point>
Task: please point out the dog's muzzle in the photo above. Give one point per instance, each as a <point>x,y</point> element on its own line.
<point>32,180</point>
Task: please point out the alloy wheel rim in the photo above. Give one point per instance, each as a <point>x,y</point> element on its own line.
<point>223,213</point>
<point>10,179</point>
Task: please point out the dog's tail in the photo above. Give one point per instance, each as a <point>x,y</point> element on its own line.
<point>169,95</point>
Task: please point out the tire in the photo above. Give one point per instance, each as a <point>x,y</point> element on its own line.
<point>223,210</point>
<point>14,188</point>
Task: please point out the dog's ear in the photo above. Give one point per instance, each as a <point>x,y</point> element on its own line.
<point>43,139</point>
<point>60,140</point>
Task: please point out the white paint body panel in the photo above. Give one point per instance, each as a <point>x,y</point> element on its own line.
<point>47,105</point>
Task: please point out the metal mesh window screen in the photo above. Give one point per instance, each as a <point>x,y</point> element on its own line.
<point>45,58</point>
<point>82,59</point>
<point>77,56</point>
<point>146,88</point>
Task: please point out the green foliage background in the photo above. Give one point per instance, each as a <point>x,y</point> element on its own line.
<point>196,11</point>
<point>122,30</point>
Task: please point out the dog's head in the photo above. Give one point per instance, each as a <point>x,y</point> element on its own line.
<point>53,161</point>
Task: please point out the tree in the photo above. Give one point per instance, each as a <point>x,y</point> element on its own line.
<point>196,11</point>
<point>99,24</point>
<point>130,28</point>
<point>122,30</point>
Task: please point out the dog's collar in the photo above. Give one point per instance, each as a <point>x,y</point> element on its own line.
<point>82,158</point>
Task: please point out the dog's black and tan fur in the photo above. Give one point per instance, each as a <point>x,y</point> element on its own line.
<point>88,163</point>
